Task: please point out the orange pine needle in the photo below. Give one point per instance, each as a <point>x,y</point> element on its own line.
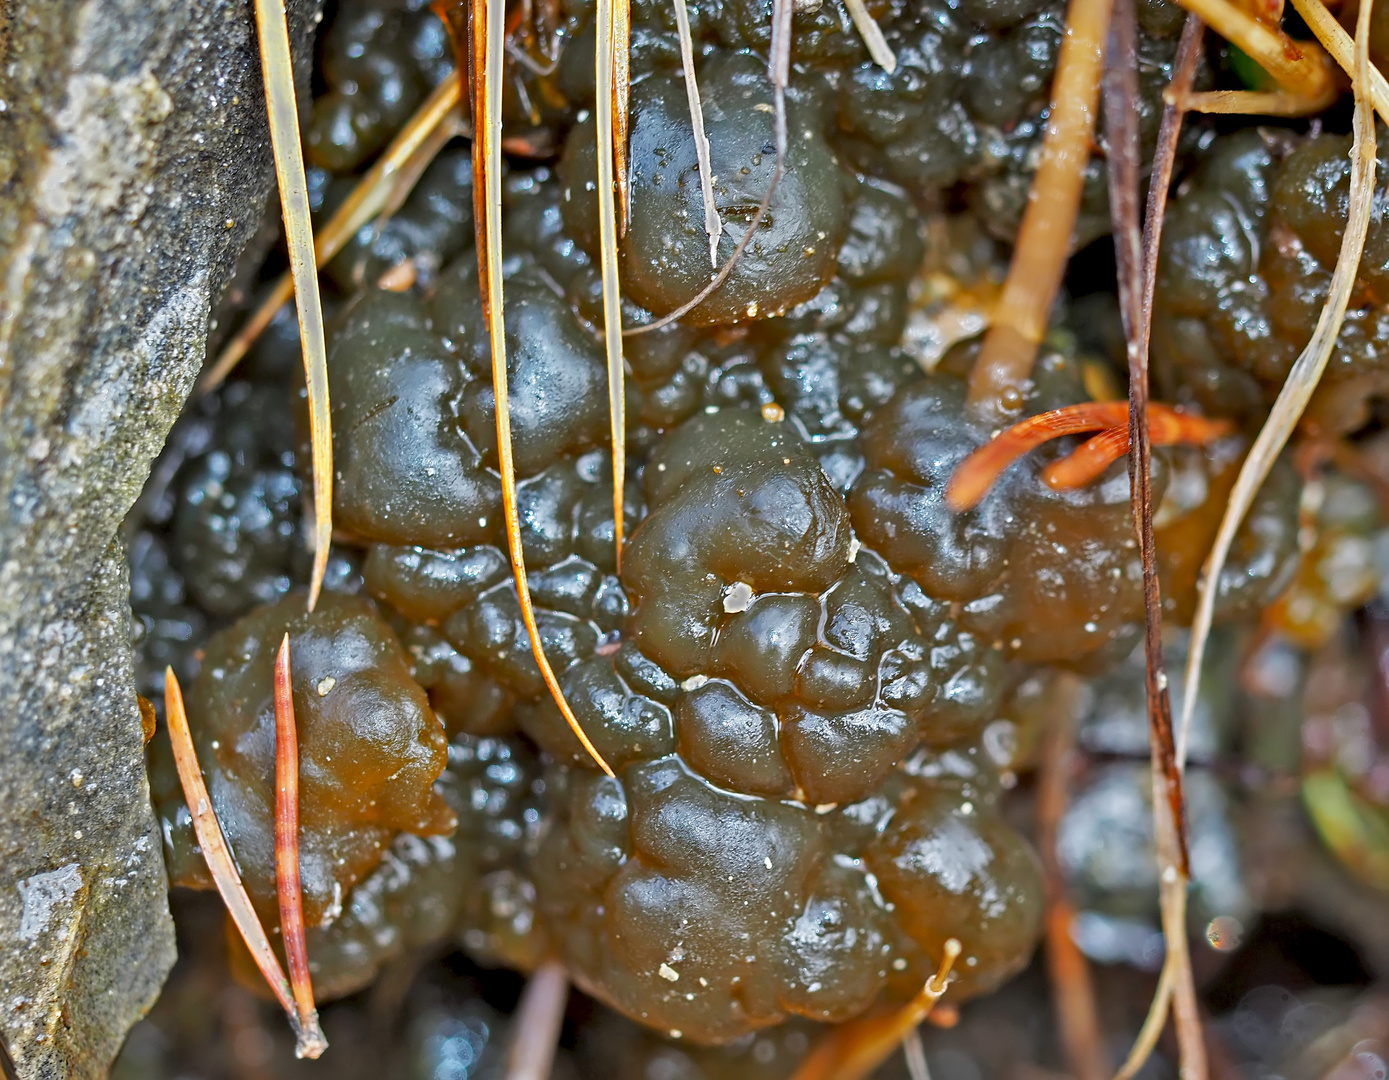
<point>1166,427</point>
<point>854,1049</point>
<point>223,869</point>
<point>287,885</point>
<point>488,24</point>
<point>980,471</point>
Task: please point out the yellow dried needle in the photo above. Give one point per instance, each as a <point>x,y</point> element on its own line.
<point>607,233</point>
<point>872,35</point>
<point>310,1041</point>
<point>713,224</point>
<point>387,181</point>
<point>489,32</point>
<point>1337,42</point>
<point>852,1050</point>
<point>1302,379</point>
<point>1259,102</point>
<point>278,71</point>
<point>1300,67</point>
<point>621,98</point>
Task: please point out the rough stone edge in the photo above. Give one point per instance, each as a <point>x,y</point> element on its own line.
<point>134,165</point>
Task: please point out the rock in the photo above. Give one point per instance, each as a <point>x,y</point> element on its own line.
<point>134,163</point>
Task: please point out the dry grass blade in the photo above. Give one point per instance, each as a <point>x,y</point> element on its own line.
<point>278,71</point>
<point>1299,67</point>
<point>852,1050</point>
<point>607,17</point>
<point>381,185</point>
<point>1044,238</point>
<point>1072,987</point>
<point>779,67</point>
<point>1259,102</point>
<point>1136,259</point>
<point>713,224</point>
<point>485,71</point>
<point>287,882</point>
<point>1338,43</point>
<point>536,1023</point>
<point>1306,371</point>
<point>220,864</point>
<point>872,35</point>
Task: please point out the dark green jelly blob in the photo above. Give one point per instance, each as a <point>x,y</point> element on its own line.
<point>665,259</point>
<point>1246,269</point>
<point>235,524</point>
<point>1051,575</point>
<point>370,748</point>
<point>953,869</point>
<point>378,59</point>
<point>405,470</point>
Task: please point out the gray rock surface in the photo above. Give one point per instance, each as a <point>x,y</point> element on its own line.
<point>134,163</point>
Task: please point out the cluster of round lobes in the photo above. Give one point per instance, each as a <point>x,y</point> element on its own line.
<point>792,674</point>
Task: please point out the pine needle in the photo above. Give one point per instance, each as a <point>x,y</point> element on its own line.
<point>779,70</point>
<point>309,1042</point>
<point>1044,237</point>
<point>1338,43</point>
<point>852,1050</point>
<point>1302,379</point>
<point>915,1055</point>
<point>488,36</point>
<point>278,70</point>
<point>287,882</point>
<point>381,185</point>
<point>713,224</point>
<point>608,15</point>
<point>536,1023</point>
<point>872,35</point>
<point>622,100</point>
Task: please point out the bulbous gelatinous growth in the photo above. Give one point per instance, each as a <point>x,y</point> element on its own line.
<point>1247,257</point>
<point>370,749</point>
<point>665,255</point>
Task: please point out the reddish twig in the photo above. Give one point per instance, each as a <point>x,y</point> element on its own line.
<point>310,1043</point>
<point>1137,272</point>
<point>287,883</point>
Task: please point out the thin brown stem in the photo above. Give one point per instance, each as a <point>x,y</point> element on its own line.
<point>1259,102</point>
<point>854,1049</point>
<point>872,35</point>
<point>278,70</point>
<point>487,21</point>
<point>1044,238</point>
<point>287,883</point>
<point>1135,291</point>
<point>223,869</point>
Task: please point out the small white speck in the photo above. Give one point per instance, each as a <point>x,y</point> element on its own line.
<point>738,598</point>
<point>1090,628</point>
<point>668,973</point>
<point>676,1033</point>
<point>694,682</point>
<point>325,685</point>
<point>703,981</point>
<point>900,964</point>
<point>767,862</point>
<point>482,523</point>
<point>854,547</point>
<point>825,807</point>
<point>966,808</point>
<point>77,834</point>
<point>76,777</point>
<point>1162,680</point>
